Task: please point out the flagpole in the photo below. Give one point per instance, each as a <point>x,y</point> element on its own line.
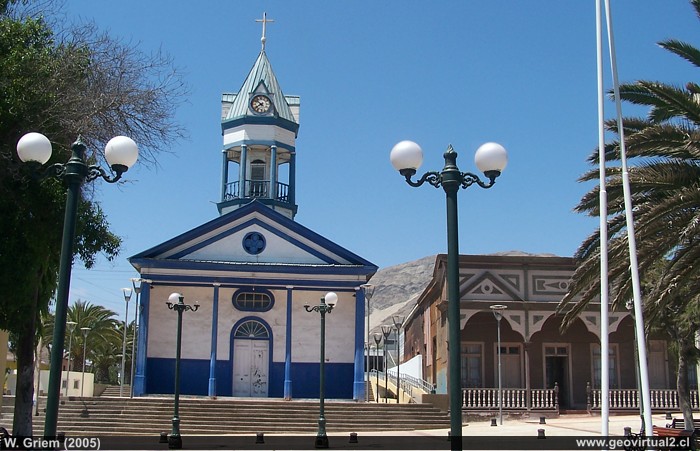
<point>634,268</point>
<point>603,199</point>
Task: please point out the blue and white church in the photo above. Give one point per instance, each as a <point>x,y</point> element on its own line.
<point>251,270</point>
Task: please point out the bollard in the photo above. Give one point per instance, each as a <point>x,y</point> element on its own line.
<point>628,431</point>
<point>493,422</point>
<point>259,438</point>
<point>542,420</point>
<point>163,437</point>
<point>668,416</point>
<point>540,433</point>
<point>61,436</point>
<point>353,437</point>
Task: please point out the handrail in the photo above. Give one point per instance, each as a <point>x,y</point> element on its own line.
<point>407,379</point>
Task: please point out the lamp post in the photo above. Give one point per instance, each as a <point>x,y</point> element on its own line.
<point>377,340</point>
<point>325,306</point>
<point>34,148</point>
<point>71,327</point>
<point>127,298</point>
<point>176,302</point>
<point>86,331</point>
<point>386,331</point>
<point>368,289</point>
<point>136,283</point>
<point>398,323</point>
<point>498,313</point>
<point>491,159</point>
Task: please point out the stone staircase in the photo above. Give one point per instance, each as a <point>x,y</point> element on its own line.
<point>151,416</point>
<point>113,390</point>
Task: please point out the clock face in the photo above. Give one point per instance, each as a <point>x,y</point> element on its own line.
<point>260,104</point>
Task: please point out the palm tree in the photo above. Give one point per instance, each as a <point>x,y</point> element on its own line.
<point>104,331</point>
<point>664,172</point>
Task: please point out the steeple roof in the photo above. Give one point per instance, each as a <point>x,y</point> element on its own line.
<point>260,80</point>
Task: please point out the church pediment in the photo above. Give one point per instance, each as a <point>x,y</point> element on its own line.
<point>252,234</point>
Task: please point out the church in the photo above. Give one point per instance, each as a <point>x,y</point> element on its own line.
<point>251,270</point>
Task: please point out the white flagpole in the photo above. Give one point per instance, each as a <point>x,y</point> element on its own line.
<point>634,268</point>
<point>604,302</point>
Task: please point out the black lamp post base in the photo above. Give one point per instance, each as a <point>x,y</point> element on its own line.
<point>321,441</point>
<point>175,441</point>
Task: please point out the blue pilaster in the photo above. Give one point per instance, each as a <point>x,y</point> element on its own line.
<point>140,376</point>
<point>214,329</point>
<point>359,376</point>
<point>288,349</point>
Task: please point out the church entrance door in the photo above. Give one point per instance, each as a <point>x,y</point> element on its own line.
<point>250,368</point>
<point>251,358</point>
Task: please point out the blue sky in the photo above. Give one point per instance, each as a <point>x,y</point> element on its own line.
<point>370,74</point>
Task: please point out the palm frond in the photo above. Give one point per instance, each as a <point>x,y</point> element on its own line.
<point>682,49</point>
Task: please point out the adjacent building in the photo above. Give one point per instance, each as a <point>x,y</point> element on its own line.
<point>535,352</point>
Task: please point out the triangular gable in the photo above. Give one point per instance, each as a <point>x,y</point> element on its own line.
<point>488,286</point>
<point>222,241</point>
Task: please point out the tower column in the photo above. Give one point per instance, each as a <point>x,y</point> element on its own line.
<point>292,177</point>
<point>273,172</point>
<point>242,171</point>
<point>224,175</point>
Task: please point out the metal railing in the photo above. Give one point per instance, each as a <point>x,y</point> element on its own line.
<point>256,189</point>
<point>410,385</point>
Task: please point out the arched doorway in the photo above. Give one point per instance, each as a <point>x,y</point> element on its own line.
<point>251,358</point>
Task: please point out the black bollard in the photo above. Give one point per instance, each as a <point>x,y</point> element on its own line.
<point>542,420</point>
<point>540,433</point>
<point>163,437</point>
<point>493,422</point>
<point>353,437</point>
<point>259,438</point>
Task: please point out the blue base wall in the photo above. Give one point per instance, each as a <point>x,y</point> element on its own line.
<point>194,378</point>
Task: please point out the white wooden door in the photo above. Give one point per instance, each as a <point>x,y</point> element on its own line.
<point>250,368</point>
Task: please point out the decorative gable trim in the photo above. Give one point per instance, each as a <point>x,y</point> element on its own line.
<point>173,253</point>
<point>488,286</point>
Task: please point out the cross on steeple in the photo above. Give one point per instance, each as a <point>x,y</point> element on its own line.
<point>264,21</point>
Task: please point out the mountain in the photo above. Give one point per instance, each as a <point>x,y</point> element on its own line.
<point>396,289</point>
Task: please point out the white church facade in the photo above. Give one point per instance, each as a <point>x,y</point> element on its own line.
<point>251,270</point>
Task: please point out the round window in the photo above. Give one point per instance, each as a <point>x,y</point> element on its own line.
<point>254,243</point>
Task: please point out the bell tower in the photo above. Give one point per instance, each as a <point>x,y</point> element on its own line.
<point>259,125</point>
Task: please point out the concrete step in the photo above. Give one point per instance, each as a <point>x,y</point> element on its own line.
<point>151,416</point>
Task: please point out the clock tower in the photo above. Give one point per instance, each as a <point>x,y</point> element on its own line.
<point>259,125</point>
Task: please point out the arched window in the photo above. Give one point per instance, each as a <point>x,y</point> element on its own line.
<point>253,301</point>
<point>251,329</point>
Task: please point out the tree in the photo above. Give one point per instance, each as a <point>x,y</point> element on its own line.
<point>64,82</point>
<point>664,172</point>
